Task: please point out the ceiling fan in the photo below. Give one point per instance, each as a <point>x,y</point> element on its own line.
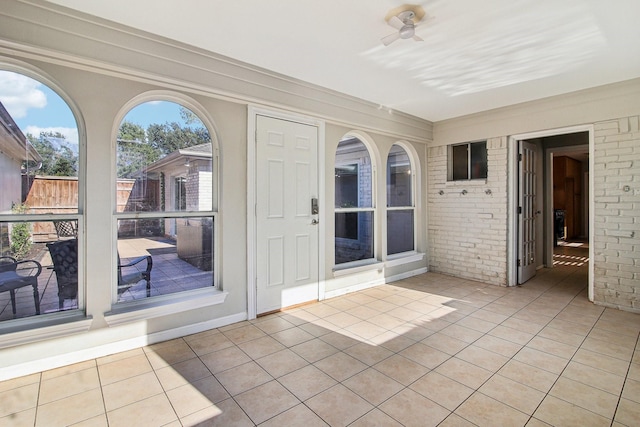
<point>406,26</point>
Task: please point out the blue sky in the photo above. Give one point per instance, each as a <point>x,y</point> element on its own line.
<point>35,108</point>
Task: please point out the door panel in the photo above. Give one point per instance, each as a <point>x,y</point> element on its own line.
<point>527,211</point>
<point>287,232</point>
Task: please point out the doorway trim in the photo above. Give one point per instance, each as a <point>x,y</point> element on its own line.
<point>253,112</point>
<point>512,200</point>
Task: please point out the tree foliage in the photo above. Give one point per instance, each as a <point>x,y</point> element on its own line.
<point>57,158</point>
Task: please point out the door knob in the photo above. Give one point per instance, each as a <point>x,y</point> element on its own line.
<point>315,222</point>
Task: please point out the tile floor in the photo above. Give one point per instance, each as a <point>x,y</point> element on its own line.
<point>431,350</point>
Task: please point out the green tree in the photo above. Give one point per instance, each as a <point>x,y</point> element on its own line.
<point>58,159</point>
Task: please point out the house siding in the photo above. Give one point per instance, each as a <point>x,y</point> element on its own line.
<point>617,218</point>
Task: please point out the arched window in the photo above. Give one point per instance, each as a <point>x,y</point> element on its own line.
<point>40,199</point>
<point>354,204</point>
<point>166,201</point>
<point>400,202</point>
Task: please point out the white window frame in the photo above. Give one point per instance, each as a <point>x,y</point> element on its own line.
<point>450,164</point>
<point>411,207</point>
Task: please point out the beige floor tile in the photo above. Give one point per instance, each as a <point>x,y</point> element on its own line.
<point>557,412</point>
<point>316,330</point>
<point>373,386</point>
<point>226,413</point>
<point>401,369</point>
<point>98,421</point>
<point>476,324</point>
<point>222,360</point>
<point>155,410</point>
<point>119,356</point>
<point>631,390</point>
<point>445,343</point>
<point>340,366</point>
<point>454,420</point>
<point>623,352</point>
<point>628,413</point>
<point>69,369</point>
<point>585,396</point>
<point>123,369</point>
<point>339,340</point>
<point>18,399</point>
<point>534,422</point>
<point>523,325</point>
<point>485,411</point>
<point>168,355</point>
<point>483,358</point>
<point>571,327</point>
<point>307,382</point>
<point>209,343</point>
<point>130,390</point>
<point>342,319</point>
<point>339,406</point>
<point>260,347</point>
<point>375,418</point>
<point>561,336</point>
<point>244,334</point>
<point>426,356</point>
<point>67,385</point>
<point>292,336</point>
<point>498,345</point>
<point>20,381</point>
<point>314,350</point>
<point>266,401</point>
<point>489,316</point>
<point>442,390</point>
<point>363,312</point>
<point>365,329</point>
<point>462,333</point>
<point>321,310</point>
<point>386,321</point>
<point>392,341</point>
<point>594,377</point>
<point>19,419</point>
<point>510,334</point>
<point>273,324</point>
<point>281,363</point>
<point>512,393</point>
<point>531,376</point>
<point>464,372</point>
<point>368,354</point>
<point>634,371</point>
<point>381,306</point>
<point>299,415</point>
<point>187,400</point>
<point>552,347</point>
<point>71,410</point>
<point>606,363</point>
<point>413,332</point>
<point>412,409</point>
<point>243,377</point>
<point>546,361</point>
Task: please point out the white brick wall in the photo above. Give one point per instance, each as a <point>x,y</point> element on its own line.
<point>468,233</point>
<point>617,213</point>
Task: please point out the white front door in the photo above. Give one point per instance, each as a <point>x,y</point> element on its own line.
<point>286,225</point>
<point>527,211</point>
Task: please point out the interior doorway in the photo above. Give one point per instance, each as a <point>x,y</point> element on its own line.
<point>550,201</point>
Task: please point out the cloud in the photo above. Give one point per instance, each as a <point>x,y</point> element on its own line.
<point>70,134</point>
<point>18,93</point>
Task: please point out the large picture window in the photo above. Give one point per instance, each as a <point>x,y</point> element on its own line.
<point>40,200</point>
<point>467,161</point>
<point>166,201</point>
<point>354,207</point>
<point>400,205</point>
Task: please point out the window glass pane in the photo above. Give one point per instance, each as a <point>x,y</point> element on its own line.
<point>398,178</point>
<point>478,160</point>
<point>399,231</point>
<point>38,149</point>
<point>353,175</point>
<point>356,229</point>
<point>159,144</point>
<point>40,267</point>
<point>460,161</point>
<point>163,256</point>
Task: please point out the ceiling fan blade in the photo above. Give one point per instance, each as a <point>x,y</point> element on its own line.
<point>396,22</point>
<point>418,39</point>
<point>390,39</point>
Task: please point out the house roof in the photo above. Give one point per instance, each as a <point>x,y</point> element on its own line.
<point>475,55</point>
<point>12,140</point>
<point>201,151</point>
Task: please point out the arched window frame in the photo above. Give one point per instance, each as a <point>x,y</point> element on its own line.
<point>180,298</point>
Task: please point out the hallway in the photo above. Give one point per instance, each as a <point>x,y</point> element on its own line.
<point>425,351</point>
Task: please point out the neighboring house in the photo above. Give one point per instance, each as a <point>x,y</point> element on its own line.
<point>276,240</point>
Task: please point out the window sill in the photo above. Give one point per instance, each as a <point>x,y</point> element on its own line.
<point>403,258</point>
<point>357,267</point>
<point>39,329</point>
<point>472,182</point>
<point>176,303</point>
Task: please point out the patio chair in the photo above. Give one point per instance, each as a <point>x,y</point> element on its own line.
<point>12,278</point>
<point>125,281</point>
<point>66,229</point>
<point>64,255</point>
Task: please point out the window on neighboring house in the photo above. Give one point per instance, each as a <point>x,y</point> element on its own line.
<point>400,202</point>
<point>166,202</point>
<point>40,200</point>
<point>467,161</point>
<point>354,207</point>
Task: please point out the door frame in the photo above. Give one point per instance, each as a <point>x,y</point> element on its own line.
<point>252,231</point>
<point>512,199</point>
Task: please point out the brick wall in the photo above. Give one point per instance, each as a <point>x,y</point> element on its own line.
<point>468,232</point>
<point>617,213</point>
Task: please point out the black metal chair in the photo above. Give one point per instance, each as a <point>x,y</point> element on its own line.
<point>14,275</point>
<point>66,229</point>
<point>125,281</point>
<point>64,255</point>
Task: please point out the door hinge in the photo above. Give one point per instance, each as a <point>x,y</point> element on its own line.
<point>519,263</point>
<point>519,209</point>
<point>520,157</point>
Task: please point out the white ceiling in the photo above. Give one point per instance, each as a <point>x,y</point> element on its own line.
<point>476,55</point>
